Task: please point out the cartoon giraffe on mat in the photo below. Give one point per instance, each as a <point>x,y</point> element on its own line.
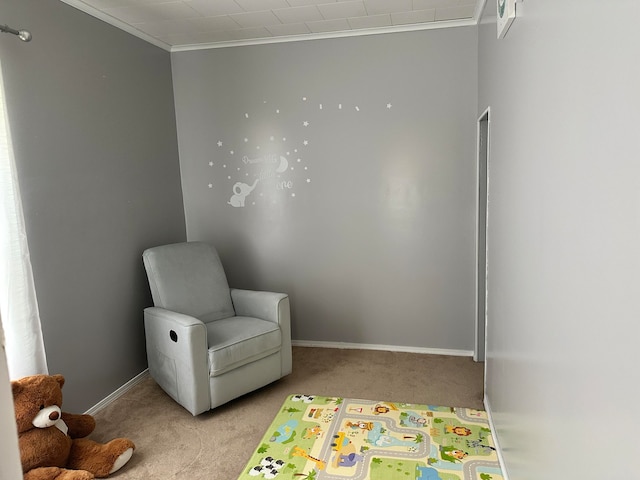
<point>301,452</point>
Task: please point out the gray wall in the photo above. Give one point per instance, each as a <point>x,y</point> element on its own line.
<point>564,231</point>
<point>92,117</point>
<point>370,225</point>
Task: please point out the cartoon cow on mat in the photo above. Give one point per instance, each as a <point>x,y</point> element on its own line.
<point>269,468</point>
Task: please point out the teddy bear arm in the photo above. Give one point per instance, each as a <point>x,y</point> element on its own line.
<point>80,425</point>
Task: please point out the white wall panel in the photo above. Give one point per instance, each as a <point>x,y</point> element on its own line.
<point>564,230</point>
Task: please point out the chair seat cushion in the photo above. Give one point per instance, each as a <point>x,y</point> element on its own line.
<point>236,341</point>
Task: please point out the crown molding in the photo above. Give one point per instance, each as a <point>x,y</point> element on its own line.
<point>323,36</point>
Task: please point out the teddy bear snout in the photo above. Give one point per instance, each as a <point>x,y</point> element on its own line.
<point>47,417</point>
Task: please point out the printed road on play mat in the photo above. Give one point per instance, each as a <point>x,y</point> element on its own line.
<point>324,438</point>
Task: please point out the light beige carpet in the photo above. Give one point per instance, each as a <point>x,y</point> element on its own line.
<point>172,444</point>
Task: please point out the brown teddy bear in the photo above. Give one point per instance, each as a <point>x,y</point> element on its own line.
<point>51,441</point>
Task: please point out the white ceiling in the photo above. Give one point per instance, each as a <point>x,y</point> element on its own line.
<point>190,24</point>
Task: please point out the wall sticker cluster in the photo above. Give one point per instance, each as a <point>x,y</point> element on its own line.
<point>269,159</point>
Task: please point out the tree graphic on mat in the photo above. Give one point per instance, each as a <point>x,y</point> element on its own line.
<point>307,476</point>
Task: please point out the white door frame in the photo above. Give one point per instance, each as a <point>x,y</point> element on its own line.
<point>9,451</point>
<point>482,155</point>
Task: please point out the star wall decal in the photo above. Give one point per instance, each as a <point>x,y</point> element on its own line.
<point>263,172</point>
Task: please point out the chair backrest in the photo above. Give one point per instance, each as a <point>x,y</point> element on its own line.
<point>188,278</point>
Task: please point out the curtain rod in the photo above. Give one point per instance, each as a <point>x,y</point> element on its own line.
<point>23,35</point>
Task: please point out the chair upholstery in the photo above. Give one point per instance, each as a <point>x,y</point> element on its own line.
<point>207,343</point>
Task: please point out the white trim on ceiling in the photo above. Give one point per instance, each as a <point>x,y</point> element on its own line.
<point>94,12</point>
<point>321,36</point>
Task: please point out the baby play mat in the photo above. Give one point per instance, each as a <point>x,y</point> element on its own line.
<point>323,438</point>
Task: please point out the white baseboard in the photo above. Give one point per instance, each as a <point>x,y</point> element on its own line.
<point>388,348</point>
<point>118,393</point>
<point>496,442</point>
<point>296,343</point>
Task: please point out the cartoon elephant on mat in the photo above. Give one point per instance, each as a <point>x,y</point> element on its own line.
<point>240,193</point>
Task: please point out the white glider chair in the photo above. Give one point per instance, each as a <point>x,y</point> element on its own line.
<point>206,343</point>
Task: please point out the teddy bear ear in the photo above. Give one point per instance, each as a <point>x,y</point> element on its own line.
<point>16,388</point>
<point>59,378</point>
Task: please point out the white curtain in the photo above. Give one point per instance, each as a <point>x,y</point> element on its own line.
<point>18,303</point>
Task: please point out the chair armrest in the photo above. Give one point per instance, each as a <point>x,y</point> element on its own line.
<point>264,305</point>
<point>270,306</point>
<point>177,356</point>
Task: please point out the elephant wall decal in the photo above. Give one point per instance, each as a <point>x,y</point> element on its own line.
<point>240,192</point>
